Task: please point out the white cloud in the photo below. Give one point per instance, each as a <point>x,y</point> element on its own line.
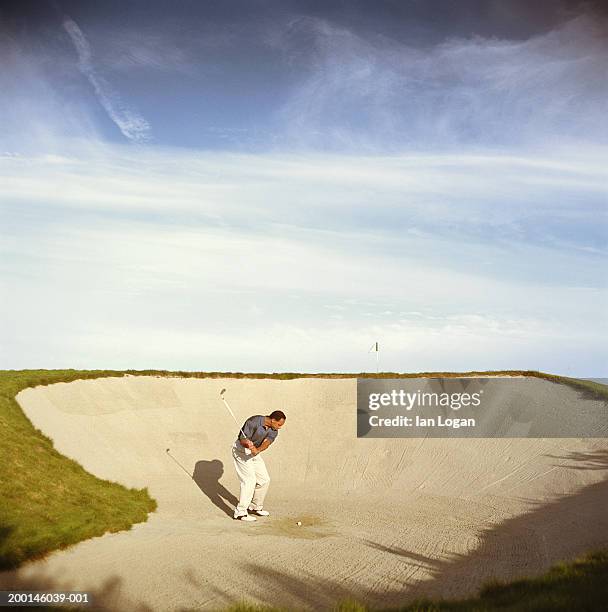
<point>458,258</point>
<point>132,125</point>
<point>553,200</point>
<point>376,93</point>
<point>189,260</point>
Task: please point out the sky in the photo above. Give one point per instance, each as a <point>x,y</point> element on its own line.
<point>275,186</point>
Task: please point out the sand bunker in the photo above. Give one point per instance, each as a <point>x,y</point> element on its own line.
<point>383,520</point>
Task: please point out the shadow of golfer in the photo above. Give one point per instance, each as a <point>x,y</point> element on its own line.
<point>207,476</point>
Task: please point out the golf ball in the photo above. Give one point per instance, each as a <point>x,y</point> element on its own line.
<point>299,523</point>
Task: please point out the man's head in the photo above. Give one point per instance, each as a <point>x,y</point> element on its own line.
<point>277,419</point>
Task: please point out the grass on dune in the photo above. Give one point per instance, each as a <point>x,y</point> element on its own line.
<point>49,501</point>
<point>590,388</point>
<point>578,585</point>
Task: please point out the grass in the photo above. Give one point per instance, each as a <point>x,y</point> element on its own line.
<point>49,501</point>
<point>589,388</point>
<point>580,585</point>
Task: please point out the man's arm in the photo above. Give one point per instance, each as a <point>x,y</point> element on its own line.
<point>246,431</point>
<point>262,447</point>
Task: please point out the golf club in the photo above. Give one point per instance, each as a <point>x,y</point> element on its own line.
<point>247,451</point>
<point>178,463</point>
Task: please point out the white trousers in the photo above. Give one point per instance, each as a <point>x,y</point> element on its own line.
<point>253,477</point>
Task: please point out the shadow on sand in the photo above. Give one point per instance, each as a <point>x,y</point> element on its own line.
<point>525,545</point>
<point>207,476</point>
<point>107,597</point>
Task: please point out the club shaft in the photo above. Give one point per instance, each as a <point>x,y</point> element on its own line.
<point>180,465</point>
<point>232,415</point>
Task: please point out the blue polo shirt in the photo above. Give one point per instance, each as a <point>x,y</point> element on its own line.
<point>254,430</point>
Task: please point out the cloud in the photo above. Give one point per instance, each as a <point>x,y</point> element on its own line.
<point>472,236</point>
<point>36,113</point>
<point>548,201</point>
<point>188,260</point>
<point>132,125</point>
<point>374,93</point>
<point>318,85</point>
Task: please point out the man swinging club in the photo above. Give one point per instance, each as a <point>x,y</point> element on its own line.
<point>257,434</point>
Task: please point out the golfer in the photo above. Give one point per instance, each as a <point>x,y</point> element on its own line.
<point>257,434</point>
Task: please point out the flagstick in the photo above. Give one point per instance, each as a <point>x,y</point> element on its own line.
<point>376,347</point>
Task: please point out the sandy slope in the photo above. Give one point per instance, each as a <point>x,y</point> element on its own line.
<point>384,520</point>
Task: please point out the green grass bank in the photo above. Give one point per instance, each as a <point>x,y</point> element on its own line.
<point>47,500</point>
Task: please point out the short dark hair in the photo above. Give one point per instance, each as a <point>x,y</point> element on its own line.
<point>278,415</point>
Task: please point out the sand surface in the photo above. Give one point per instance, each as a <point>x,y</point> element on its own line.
<point>383,520</point>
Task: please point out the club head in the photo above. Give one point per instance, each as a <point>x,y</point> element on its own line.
<point>168,449</point>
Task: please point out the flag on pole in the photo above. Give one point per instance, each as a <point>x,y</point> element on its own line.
<point>376,349</point>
